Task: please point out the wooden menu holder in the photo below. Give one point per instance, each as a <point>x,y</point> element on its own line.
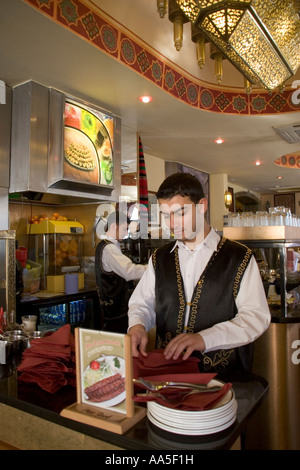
<point>94,415</point>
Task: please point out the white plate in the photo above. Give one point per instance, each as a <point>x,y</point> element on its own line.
<point>198,422</point>
<point>218,409</point>
<point>182,415</point>
<point>191,432</point>
<point>121,370</point>
<point>195,424</point>
<point>201,423</point>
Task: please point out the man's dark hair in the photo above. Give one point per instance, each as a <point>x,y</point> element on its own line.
<point>182,184</point>
<point>118,218</point>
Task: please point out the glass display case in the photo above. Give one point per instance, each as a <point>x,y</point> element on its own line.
<point>57,247</point>
<point>278,421</point>
<point>79,310</point>
<point>279,265</point>
<point>277,251</point>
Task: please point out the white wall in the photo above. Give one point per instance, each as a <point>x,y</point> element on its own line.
<point>155,168</point>
<point>218,184</point>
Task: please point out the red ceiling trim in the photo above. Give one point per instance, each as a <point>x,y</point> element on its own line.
<point>110,39</point>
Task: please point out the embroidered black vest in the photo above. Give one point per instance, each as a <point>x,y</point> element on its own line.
<point>213,300</point>
<point>113,290</point>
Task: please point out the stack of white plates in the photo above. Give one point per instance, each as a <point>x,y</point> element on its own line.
<point>195,423</point>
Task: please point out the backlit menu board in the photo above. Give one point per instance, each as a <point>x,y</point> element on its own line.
<point>88,145</point>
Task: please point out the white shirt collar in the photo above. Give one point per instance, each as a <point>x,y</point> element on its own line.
<point>113,240</point>
<point>211,241</point>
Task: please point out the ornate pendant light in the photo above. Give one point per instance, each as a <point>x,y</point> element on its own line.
<point>260,38</point>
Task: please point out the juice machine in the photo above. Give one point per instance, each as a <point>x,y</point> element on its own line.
<point>57,246</point>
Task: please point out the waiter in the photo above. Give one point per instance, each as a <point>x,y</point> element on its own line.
<point>115,274</point>
<point>203,292</point>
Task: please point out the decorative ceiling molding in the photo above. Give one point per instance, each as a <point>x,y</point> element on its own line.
<point>290,160</point>
<point>110,39</point>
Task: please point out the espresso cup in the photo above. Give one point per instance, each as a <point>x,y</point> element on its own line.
<point>28,323</point>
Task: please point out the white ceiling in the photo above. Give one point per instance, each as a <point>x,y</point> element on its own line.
<point>32,47</point>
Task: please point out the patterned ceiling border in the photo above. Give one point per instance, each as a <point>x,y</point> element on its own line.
<point>108,38</point>
<point>290,160</point>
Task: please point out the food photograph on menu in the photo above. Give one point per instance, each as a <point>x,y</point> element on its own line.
<point>88,145</point>
<point>102,369</point>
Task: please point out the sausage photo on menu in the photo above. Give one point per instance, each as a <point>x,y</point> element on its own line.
<point>105,389</point>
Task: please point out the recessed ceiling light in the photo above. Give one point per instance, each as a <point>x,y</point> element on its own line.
<point>145,99</point>
<point>279,177</point>
<point>219,141</point>
<point>258,162</point>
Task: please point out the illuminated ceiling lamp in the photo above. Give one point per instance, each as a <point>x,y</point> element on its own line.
<point>260,38</point>
<point>227,199</point>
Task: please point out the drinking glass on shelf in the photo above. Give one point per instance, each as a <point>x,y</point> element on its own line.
<point>248,219</point>
<point>271,215</point>
<point>279,217</point>
<point>262,218</point>
<point>286,213</point>
<point>237,220</point>
<point>274,216</point>
<point>232,219</point>
<point>243,220</point>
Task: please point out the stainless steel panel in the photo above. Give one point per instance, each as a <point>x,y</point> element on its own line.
<point>29,138</point>
<point>56,177</point>
<point>276,425</point>
<point>5,119</point>
<point>29,148</point>
<point>4,213</point>
<point>56,133</point>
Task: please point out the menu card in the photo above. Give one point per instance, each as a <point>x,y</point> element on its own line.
<point>104,381</point>
<point>104,369</point>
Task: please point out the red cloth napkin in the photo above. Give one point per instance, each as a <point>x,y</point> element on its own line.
<point>156,367</point>
<point>192,378</point>
<point>51,381</point>
<point>50,361</point>
<point>156,363</point>
<point>195,402</point>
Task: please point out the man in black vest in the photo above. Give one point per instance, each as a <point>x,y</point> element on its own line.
<point>115,274</point>
<point>203,293</point>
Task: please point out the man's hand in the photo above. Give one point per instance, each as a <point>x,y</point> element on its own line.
<point>139,340</point>
<point>186,343</point>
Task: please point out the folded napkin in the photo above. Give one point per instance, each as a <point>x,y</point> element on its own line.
<point>156,363</point>
<point>34,361</point>
<point>156,367</point>
<point>194,402</point>
<point>50,361</point>
<point>51,381</point>
<point>192,378</point>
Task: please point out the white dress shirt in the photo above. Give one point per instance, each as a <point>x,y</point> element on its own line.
<point>114,260</point>
<point>253,316</point>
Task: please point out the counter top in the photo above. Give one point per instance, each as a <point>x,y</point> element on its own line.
<point>249,391</point>
<point>45,296</point>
